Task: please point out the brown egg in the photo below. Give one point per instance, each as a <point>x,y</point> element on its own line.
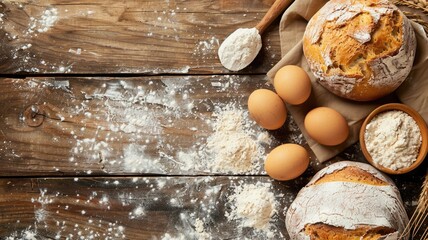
<point>286,162</point>
<point>267,109</point>
<point>292,84</point>
<point>326,126</point>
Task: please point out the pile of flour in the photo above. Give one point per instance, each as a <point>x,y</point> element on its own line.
<point>232,146</point>
<point>254,206</point>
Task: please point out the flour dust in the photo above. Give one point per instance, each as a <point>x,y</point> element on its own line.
<point>158,126</point>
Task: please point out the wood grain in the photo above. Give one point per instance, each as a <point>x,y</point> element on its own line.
<point>157,113</point>
<point>140,207</point>
<point>130,208</point>
<point>121,125</point>
<point>143,37</point>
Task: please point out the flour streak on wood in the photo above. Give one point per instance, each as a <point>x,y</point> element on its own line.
<point>134,126</point>
<point>112,37</point>
<point>132,208</point>
<point>156,125</point>
<point>142,207</point>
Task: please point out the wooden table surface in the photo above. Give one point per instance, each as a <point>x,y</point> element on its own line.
<point>107,108</point>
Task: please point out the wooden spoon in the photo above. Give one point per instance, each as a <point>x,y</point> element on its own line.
<point>277,8</point>
<point>241,47</point>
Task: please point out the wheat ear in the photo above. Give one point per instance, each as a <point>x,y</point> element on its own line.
<point>419,216</point>
<point>416,4</point>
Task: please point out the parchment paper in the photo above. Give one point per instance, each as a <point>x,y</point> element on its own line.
<point>413,92</point>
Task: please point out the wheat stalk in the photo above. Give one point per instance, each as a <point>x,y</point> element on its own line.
<point>420,215</point>
<point>423,209</point>
<point>421,5</point>
<point>417,19</point>
<point>416,4</point>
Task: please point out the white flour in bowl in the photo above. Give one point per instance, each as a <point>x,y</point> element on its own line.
<point>393,139</point>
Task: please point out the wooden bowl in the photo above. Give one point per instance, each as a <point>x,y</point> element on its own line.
<point>422,126</point>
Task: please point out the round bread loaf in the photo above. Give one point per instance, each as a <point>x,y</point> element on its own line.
<point>360,49</point>
<point>347,200</point>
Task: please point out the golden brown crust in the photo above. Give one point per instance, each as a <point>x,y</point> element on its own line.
<point>352,174</point>
<point>320,231</point>
<point>347,200</point>
<point>343,53</point>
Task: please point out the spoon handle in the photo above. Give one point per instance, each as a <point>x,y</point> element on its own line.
<point>277,8</point>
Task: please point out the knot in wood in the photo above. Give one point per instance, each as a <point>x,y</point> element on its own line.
<point>34,116</point>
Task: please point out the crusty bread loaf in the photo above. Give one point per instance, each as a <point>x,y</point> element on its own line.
<point>360,49</point>
<point>326,232</point>
<point>347,200</point>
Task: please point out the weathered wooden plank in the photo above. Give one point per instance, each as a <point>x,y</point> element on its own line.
<point>145,207</point>
<point>131,208</point>
<point>155,125</point>
<point>53,36</point>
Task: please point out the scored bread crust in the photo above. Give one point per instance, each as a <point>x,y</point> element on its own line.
<point>326,232</point>
<point>369,205</point>
<point>360,49</point>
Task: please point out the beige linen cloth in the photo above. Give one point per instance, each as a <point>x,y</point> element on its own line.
<point>414,92</point>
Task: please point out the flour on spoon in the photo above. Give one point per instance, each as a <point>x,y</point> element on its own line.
<point>240,48</point>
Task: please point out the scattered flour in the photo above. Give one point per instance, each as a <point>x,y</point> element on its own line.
<point>209,44</point>
<point>76,51</point>
<point>92,148</point>
<point>232,147</point>
<point>137,115</point>
<point>393,139</point>
<point>29,235</point>
<point>26,234</point>
<point>231,143</point>
<point>44,22</point>
<point>240,48</point>
<point>40,213</point>
<point>167,236</point>
<point>48,19</point>
<point>138,212</point>
<point>104,200</point>
<point>24,35</point>
<point>136,160</point>
<point>200,230</point>
<point>206,48</point>
<point>253,206</point>
<point>195,221</point>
